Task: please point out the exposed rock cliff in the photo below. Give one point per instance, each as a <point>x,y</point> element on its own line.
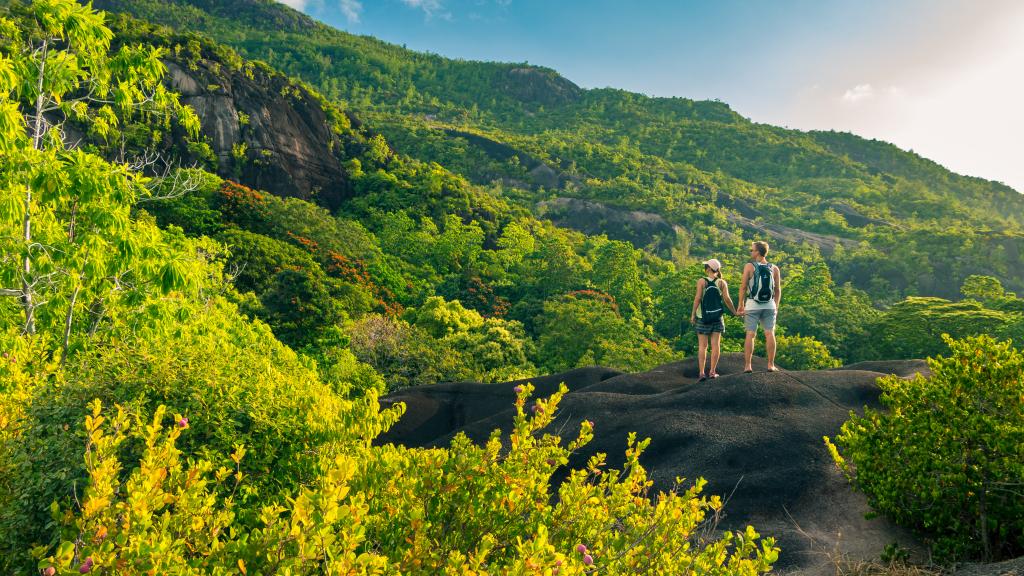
<point>643,229</point>
<point>540,86</point>
<point>266,132</point>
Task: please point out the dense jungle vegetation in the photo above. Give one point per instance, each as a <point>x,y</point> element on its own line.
<point>216,351</point>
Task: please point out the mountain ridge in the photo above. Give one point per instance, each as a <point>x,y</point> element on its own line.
<point>674,157</point>
<point>298,22</point>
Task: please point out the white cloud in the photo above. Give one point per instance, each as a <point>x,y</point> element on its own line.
<point>859,93</point>
<point>351,9</point>
<point>431,8</point>
<point>863,93</point>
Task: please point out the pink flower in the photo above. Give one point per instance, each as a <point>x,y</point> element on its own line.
<point>581,548</point>
<point>49,571</point>
<point>86,566</point>
<point>588,559</point>
<point>518,389</point>
<point>183,423</point>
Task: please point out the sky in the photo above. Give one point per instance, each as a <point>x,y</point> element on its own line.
<point>944,78</point>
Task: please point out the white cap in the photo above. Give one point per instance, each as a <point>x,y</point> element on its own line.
<point>714,264</point>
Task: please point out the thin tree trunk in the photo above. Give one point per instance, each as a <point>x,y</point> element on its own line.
<point>67,325</point>
<point>74,297</point>
<point>71,225</point>
<point>26,288</point>
<point>986,543</point>
<point>98,316</point>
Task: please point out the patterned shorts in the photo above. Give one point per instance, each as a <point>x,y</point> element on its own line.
<point>703,328</point>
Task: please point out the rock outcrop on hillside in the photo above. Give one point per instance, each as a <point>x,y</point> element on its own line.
<point>1013,567</point>
<point>757,439</point>
<point>642,229</point>
<point>535,85</point>
<point>266,133</point>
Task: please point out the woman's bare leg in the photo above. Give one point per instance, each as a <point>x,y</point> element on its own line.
<point>716,350</point>
<point>702,351</point>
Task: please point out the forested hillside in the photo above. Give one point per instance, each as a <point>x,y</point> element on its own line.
<point>212,268</point>
<point>443,244</point>
<point>859,225</point>
<point>698,164</point>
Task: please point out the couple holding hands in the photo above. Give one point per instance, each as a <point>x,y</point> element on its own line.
<point>760,293</point>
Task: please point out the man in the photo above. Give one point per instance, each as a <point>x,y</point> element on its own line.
<point>760,293</point>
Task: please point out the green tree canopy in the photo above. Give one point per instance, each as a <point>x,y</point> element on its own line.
<point>70,248</point>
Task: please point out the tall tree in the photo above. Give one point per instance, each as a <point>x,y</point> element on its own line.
<point>616,271</point>
<point>67,236</point>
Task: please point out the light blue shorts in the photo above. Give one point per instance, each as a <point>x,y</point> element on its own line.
<point>765,317</point>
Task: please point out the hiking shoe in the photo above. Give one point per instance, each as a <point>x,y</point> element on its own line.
<point>702,377</point>
<point>713,375</point>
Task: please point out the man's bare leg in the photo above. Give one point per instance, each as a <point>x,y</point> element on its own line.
<point>769,344</point>
<point>748,351</point>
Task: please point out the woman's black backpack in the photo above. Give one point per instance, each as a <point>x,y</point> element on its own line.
<point>762,285</point>
<point>711,303</point>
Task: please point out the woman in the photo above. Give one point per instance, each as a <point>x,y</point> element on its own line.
<point>708,315</point>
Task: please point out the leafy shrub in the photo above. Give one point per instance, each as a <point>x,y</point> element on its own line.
<point>947,458</point>
<point>801,353</point>
<point>584,328</point>
<point>446,342</point>
<point>256,259</point>
<point>915,328</point>
<point>485,349</point>
<point>167,517</point>
<point>984,289</point>
<point>403,354</point>
<point>229,376</point>
<point>391,510</point>
<point>299,307</point>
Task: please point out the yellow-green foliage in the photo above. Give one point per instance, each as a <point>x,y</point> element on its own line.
<point>803,353</point>
<point>464,510</point>
<point>947,457</point>
<point>268,467</point>
<point>229,376</point>
<point>167,517</point>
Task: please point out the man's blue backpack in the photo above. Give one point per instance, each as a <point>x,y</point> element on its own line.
<point>762,286</point>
